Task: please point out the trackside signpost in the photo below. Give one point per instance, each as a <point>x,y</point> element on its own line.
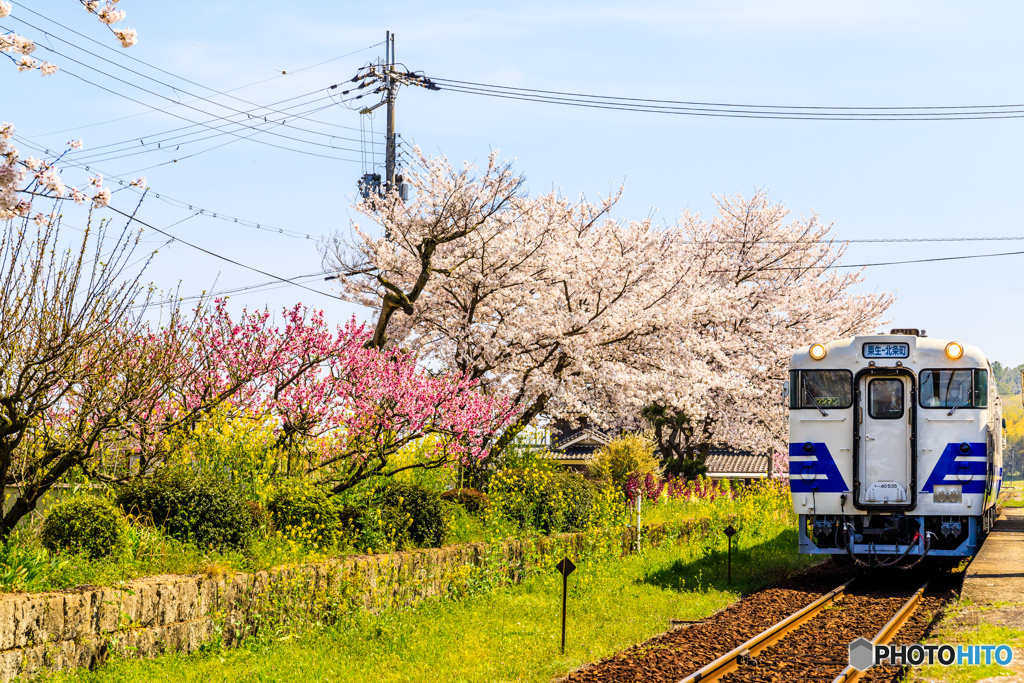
<point>564,567</point>
<point>730,532</point>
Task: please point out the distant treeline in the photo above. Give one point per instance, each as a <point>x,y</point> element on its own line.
<point>1008,378</point>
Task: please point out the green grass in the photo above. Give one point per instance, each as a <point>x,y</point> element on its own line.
<point>26,566</point>
<point>1015,503</point>
<point>985,634</point>
<point>510,633</point>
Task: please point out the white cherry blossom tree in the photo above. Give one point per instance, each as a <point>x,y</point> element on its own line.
<point>568,311</point>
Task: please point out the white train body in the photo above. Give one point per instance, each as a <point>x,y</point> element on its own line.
<point>895,446</point>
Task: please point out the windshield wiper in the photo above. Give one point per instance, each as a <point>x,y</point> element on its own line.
<point>814,399</point>
<point>953,409</point>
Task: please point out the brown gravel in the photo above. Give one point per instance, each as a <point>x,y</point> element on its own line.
<point>815,652</point>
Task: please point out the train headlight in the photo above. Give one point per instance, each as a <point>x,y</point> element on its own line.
<point>817,351</point>
<point>940,496</point>
<point>954,350</point>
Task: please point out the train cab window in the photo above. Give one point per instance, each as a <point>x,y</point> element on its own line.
<point>885,399</point>
<point>952,388</point>
<point>820,389</point>
<point>981,388</point>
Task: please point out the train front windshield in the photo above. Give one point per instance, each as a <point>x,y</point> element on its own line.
<point>821,388</point>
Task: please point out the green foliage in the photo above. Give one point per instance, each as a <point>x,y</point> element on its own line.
<point>1007,378</point>
<point>84,524</point>
<point>199,508</point>
<point>624,455</point>
<point>304,513</point>
<point>414,513</point>
<point>614,602</point>
<point>690,470</point>
<point>228,440</point>
<point>542,500</point>
<point>25,566</point>
<point>471,499</point>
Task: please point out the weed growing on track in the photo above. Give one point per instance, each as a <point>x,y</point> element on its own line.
<point>496,631</point>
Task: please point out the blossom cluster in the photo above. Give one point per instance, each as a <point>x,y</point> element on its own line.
<point>701,489</point>
<point>574,312</point>
<point>22,179</point>
<point>19,48</point>
<point>347,404</point>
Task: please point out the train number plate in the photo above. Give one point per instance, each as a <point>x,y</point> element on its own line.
<point>875,350</point>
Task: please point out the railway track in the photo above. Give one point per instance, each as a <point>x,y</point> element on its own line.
<point>805,637</point>
<point>803,656</point>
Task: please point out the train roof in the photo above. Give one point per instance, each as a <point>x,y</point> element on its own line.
<point>923,352</point>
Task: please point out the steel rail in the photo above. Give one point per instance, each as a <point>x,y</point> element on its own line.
<point>731,661</point>
<point>851,674</point>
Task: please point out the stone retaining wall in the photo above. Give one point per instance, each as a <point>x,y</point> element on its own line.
<point>81,627</point>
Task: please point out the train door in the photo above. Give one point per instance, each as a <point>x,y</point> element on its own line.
<point>885,440</point>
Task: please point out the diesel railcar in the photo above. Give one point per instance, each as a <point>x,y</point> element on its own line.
<point>895,447</point>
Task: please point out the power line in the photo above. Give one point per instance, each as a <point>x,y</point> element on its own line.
<point>282,123</point>
<point>887,263</point>
<point>232,261</point>
<point>171,144</point>
<point>124,181</point>
<point>721,104</point>
<point>247,289</point>
<point>974,112</point>
<point>262,142</point>
<point>169,73</point>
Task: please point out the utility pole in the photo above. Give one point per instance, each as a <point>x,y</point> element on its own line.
<point>390,78</point>
<point>390,92</point>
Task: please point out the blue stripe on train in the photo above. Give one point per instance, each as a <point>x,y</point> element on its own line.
<point>818,474</point>
<point>952,469</point>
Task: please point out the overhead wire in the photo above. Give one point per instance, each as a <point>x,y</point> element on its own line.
<point>780,112</point>
<point>282,123</point>
<point>214,254</point>
<point>124,182</point>
<point>246,289</point>
<point>885,263</point>
<point>262,142</point>
<point>164,71</point>
<point>166,145</point>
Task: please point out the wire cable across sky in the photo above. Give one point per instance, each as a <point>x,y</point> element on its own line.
<point>733,110</point>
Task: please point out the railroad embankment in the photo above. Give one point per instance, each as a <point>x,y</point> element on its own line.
<point>991,607</point>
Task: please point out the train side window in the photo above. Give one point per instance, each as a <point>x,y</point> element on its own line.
<point>949,388</point>
<point>885,399</point>
<point>821,388</point>
<point>981,388</point>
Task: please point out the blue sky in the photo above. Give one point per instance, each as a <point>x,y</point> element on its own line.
<point>874,180</point>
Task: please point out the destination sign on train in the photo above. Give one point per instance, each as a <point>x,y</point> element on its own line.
<point>886,350</point>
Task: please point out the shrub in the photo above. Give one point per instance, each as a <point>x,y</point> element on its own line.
<point>622,456</point>
<point>84,524</point>
<point>471,499</point>
<point>192,507</point>
<point>414,512</point>
<point>304,513</point>
<point>543,500</point>
<point>350,519</point>
<point>568,500</point>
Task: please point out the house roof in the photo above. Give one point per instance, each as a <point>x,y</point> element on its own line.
<point>581,437</point>
<point>580,452</point>
<point>721,462</point>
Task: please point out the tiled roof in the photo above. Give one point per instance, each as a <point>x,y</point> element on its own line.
<point>736,462</point>
<point>578,452</point>
<point>585,434</point>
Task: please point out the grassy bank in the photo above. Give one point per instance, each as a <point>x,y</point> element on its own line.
<point>508,632</point>
<point>27,566</point>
